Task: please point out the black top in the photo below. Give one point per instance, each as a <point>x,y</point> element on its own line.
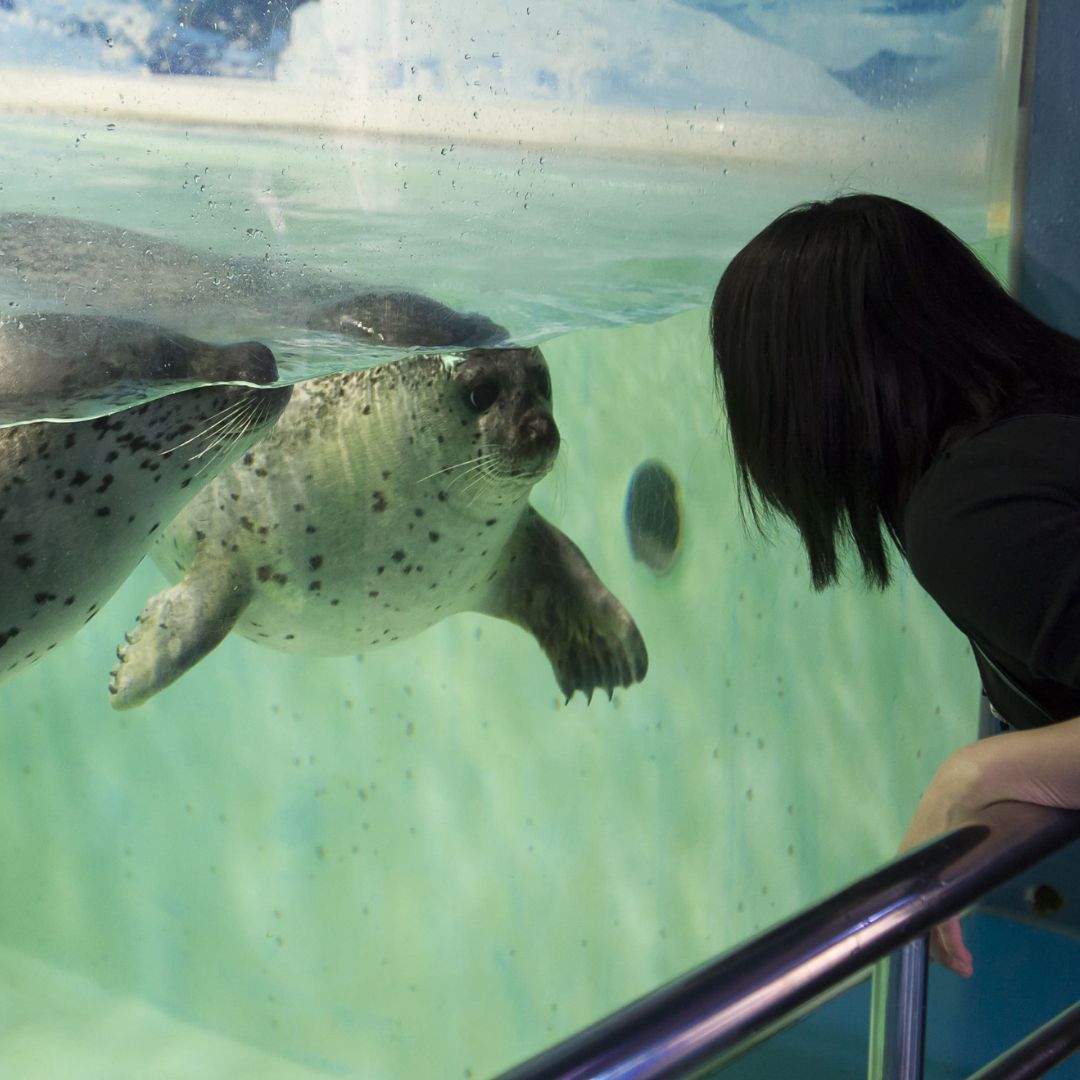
<point>992,532</point>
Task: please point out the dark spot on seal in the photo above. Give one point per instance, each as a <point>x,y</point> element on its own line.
<point>24,561</point>
<point>378,502</point>
<point>315,562</point>
<point>21,538</point>
<point>263,572</point>
<point>398,555</point>
<point>433,536</point>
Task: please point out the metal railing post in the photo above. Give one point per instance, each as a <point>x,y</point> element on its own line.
<point>898,1014</point>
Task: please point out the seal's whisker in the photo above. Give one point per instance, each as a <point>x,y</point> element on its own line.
<point>228,425</point>
<point>449,468</point>
<point>242,422</point>
<point>228,433</point>
<point>472,470</point>
<point>482,482</point>
<point>214,422</point>
<point>253,415</point>
<point>224,433</point>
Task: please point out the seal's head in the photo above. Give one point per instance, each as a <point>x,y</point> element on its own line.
<point>507,393</point>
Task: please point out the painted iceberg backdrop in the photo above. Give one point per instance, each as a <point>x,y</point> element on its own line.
<point>794,56</point>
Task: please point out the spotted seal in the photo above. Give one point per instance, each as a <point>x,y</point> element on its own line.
<point>64,366</point>
<point>81,502</point>
<point>383,501</point>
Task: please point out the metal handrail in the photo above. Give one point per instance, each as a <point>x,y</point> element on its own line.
<point>1039,1052</point>
<point>714,1013</point>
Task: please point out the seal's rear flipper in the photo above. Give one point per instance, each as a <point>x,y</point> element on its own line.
<point>177,628</point>
<point>545,584</point>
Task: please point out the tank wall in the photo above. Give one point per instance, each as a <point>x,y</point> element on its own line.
<point>422,862</point>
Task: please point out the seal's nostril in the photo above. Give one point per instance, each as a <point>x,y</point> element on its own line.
<point>540,431</point>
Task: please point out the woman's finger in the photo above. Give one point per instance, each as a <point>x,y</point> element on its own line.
<point>948,949</point>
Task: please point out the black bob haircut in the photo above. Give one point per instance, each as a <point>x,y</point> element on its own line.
<point>853,339</point>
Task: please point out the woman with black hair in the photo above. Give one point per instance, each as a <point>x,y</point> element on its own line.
<point>881,386</point>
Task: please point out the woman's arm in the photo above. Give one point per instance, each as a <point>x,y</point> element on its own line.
<point>1039,766</point>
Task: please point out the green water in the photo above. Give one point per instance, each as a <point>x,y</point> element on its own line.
<point>420,863</point>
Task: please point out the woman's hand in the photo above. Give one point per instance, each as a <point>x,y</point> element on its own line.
<point>949,800</point>
<point>1039,766</point>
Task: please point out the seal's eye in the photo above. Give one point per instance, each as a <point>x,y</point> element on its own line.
<point>482,396</point>
<point>543,385</point>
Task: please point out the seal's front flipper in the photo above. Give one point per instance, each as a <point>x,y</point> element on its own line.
<point>177,628</point>
<point>545,584</point>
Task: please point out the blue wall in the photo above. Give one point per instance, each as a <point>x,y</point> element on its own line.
<point>1049,271</point>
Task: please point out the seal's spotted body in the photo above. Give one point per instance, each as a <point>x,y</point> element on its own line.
<point>81,503</point>
<point>383,501</point>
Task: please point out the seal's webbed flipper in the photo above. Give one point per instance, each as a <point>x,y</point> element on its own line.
<point>546,585</point>
<point>176,629</point>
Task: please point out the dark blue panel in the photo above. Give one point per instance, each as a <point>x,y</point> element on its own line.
<point>1050,255</point>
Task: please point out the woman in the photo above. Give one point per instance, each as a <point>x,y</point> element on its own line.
<point>880,385</point>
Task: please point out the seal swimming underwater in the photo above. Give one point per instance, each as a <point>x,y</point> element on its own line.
<point>382,502</point>
<point>80,503</point>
